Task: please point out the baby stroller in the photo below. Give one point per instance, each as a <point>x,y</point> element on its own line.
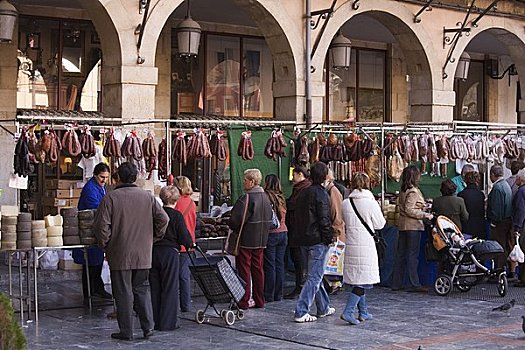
<point>220,285</point>
<point>462,259</point>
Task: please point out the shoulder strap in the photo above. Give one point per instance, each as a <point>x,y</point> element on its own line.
<point>244,213</point>
<point>360,218</point>
<point>187,208</point>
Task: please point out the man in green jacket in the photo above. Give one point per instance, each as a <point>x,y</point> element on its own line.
<point>499,213</point>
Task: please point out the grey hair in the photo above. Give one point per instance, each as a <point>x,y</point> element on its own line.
<point>254,175</point>
<point>467,168</point>
<point>496,171</point>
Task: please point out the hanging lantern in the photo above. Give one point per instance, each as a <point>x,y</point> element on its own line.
<point>340,50</point>
<point>8,16</point>
<point>188,36</point>
<point>463,66</point>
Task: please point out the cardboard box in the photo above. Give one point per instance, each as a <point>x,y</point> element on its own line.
<point>73,202</point>
<point>69,193</point>
<point>68,265</point>
<point>55,184</point>
<point>62,202</point>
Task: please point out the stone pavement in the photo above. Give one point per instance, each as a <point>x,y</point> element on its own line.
<point>401,321</point>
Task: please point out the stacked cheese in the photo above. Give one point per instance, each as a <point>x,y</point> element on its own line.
<point>54,230</point>
<point>71,236</point>
<point>38,233</point>
<point>23,231</point>
<point>85,225</point>
<point>9,232</point>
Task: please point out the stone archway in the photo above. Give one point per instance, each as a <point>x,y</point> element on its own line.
<point>422,65</point>
<point>500,100</point>
<point>284,42</point>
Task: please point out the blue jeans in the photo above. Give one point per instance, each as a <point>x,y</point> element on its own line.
<point>274,266</point>
<point>313,286</point>
<point>406,259</point>
<point>185,282</point>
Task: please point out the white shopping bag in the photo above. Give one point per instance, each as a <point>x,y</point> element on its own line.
<point>106,277</point>
<point>517,255</point>
<point>335,259</point>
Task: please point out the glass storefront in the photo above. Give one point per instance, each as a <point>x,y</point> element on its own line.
<point>469,94</point>
<point>357,93</point>
<point>58,65</point>
<point>232,79</point>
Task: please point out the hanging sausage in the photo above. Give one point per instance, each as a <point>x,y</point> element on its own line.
<point>245,148</point>
<point>163,160</point>
<point>179,147</point>
<point>149,152</point>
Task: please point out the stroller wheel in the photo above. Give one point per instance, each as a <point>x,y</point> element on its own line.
<point>199,316</point>
<point>240,314</point>
<point>503,285</point>
<point>464,287</point>
<point>443,285</point>
<point>229,317</point>
<point>223,313</point>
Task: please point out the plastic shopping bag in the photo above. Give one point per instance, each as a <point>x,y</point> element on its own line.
<point>517,255</point>
<point>335,259</point>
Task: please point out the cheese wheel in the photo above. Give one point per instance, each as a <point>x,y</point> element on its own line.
<point>24,217</point>
<point>54,231</point>
<point>9,236</point>
<point>69,212</point>
<point>8,228</point>
<point>71,240</point>
<point>85,224</point>
<point>8,245</point>
<point>88,240</point>
<point>70,221</point>
<point>23,235</point>
<point>24,244</point>
<point>71,231</point>
<point>55,241</point>
<point>38,224</point>
<point>39,233</point>
<point>39,242</point>
<point>54,220</point>
<point>86,214</point>
<point>86,233</point>
<point>9,220</point>
<point>23,226</point>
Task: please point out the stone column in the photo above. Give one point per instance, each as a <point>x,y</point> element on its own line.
<point>8,80</point>
<point>432,105</point>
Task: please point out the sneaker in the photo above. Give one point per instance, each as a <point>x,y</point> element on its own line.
<point>306,318</point>
<point>329,312</point>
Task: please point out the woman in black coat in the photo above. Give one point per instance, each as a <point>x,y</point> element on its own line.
<point>164,273</point>
<point>475,203</point>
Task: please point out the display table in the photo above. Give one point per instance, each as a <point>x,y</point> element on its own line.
<point>38,252</point>
<point>426,270</point>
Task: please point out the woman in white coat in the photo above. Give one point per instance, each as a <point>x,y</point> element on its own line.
<point>361,265</point>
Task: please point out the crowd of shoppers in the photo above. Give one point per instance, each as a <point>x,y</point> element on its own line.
<point>148,253</point>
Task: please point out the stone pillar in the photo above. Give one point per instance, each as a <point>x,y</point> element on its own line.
<point>8,80</point>
<point>521,111</point>
<point>129,91</point>
<point>432,105</point>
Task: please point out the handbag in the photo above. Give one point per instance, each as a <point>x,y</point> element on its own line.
<point>234,238</point>
<point>275,221</point>
<point>334,261</point>
<point>380,242</point>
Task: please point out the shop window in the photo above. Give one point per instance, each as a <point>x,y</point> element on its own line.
<point>469,95</point>
<point>232,76</point>
<point>55,65</point>
<point>357,93</point>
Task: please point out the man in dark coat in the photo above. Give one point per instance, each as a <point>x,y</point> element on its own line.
<point>128,221</point>
<point>298,254</point>
<point>518,221</point>
<point>316,234</point>
<point>474,198</point>
<point>252,212</point>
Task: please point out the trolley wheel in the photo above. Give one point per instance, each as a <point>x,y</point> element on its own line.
<point>240,314</point>
<point>443,285</point>
<point>199,316</point>
<point>464,287</point>
<point>229,317</point>
<point>223,313</point>
<point>503,285</point>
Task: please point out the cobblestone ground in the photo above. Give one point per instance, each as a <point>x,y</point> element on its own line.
<point>401,321</point>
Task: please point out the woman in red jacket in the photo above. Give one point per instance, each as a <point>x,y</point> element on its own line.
<point>189,211</point>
